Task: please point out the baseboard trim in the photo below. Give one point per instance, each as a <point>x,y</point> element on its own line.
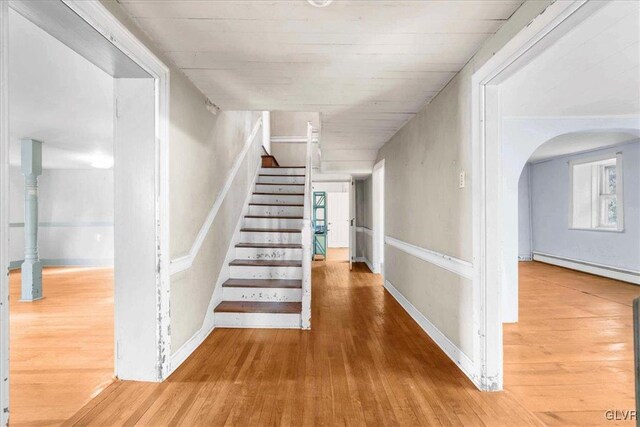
<point>67,262</point>
<point>624,275</point>
<point>450,349</point>
<point>189,347</point>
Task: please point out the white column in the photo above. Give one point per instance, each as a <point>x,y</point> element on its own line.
<point>31,267</point>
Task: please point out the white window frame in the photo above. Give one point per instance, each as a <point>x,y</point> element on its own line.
<point>598,195</point>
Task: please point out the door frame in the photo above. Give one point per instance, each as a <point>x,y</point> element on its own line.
<point>102,20</point>
<point>557,19</point>
<point>378,217</point>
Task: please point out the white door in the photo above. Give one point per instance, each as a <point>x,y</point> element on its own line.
<point>338,220</point>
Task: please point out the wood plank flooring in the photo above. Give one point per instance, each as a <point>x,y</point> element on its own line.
<point>570,356</point>
<point>365,362</point>
<point>61,349</point>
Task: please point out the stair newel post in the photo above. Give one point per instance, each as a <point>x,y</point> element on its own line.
<point>306,237</point>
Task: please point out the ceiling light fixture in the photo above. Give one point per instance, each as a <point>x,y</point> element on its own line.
<point>320,3</point>
<point>101,161</point>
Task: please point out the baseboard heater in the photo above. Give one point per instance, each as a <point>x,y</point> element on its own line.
<point>616,273</point>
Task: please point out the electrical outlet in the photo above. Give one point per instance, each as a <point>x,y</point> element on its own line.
<point>462,179</point>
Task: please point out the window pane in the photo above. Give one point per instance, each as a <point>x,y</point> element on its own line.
<point>609,186</point>
<point>609,212</point>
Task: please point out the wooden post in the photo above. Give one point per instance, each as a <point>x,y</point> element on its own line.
<point>31,267</point>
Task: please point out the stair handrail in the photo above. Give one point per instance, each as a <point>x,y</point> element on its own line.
<point>307,235</point>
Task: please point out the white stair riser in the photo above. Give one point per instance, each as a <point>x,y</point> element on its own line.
<point>273,223</point>
<point>262,294</point>
<point>265,237</point>
<point>282,171</point>
<point>257,320</point>
<point>281,179</point>
<point>277,199</point>
<point>276,210</point>
<point>252,272</point>
<point>269,254</point>
<point>279,188</point>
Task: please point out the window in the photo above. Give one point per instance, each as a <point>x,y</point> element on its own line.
<point>596,194</point>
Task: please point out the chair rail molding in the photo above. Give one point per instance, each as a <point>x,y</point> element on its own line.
<point>452,264</point>
<point>185,262</point>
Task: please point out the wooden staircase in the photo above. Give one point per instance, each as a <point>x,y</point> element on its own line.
<point>265,285</point>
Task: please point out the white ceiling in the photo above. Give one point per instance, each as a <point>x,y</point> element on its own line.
<point>367,66</point>
<point>578,142</point>
<point>58,97</point>
<point>594,70</point>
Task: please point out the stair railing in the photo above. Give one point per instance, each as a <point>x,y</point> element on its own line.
<point>307,235</point>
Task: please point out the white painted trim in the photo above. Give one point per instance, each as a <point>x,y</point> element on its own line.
<point>463,361</point>
<point>292,139</point>
<point>97,15</point>
<point>486,173</point>
<point>260,320</point>
<point>625,275</point>
<point>209,322</point>
<point>185,262</point>
<point>4,213</point>
<point>452,264</point>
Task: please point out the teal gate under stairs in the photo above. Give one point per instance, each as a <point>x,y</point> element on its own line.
<point>319,224</point>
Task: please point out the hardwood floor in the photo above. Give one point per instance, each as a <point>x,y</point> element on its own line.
<point>61,349</point>
<point>365,362</point>
<point>570,356</point>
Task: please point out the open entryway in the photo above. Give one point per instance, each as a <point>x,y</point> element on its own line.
<point>557,218</point>
<point>337,207</point>
<point>84,166</point>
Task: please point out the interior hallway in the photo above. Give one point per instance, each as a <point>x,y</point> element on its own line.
<point>570,356</point>
<point>61,352</point>
<point>364,362</point>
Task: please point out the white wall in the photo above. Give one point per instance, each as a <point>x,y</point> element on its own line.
<point>550,199</point>
<point>287,124</point>
<point>425,208</point>
<point>75,217</point>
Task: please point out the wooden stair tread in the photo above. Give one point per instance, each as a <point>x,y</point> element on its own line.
<point>263,283</point>
<point>265,263</point>
<point>270,230</point>
<point>277,204</point>
<point>270,245</point>
<point>277,183</point>
<point>259,307</point>
<point>274,174</point>
<point>278,194</point>
<point>273,216</point>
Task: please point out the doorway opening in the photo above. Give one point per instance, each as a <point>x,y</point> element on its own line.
<point>62,241</point>
<point>338,212</point>
<point>534,94</point>
<point>88,164</point>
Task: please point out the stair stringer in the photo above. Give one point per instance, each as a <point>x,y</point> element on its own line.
<point>208,325</point>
